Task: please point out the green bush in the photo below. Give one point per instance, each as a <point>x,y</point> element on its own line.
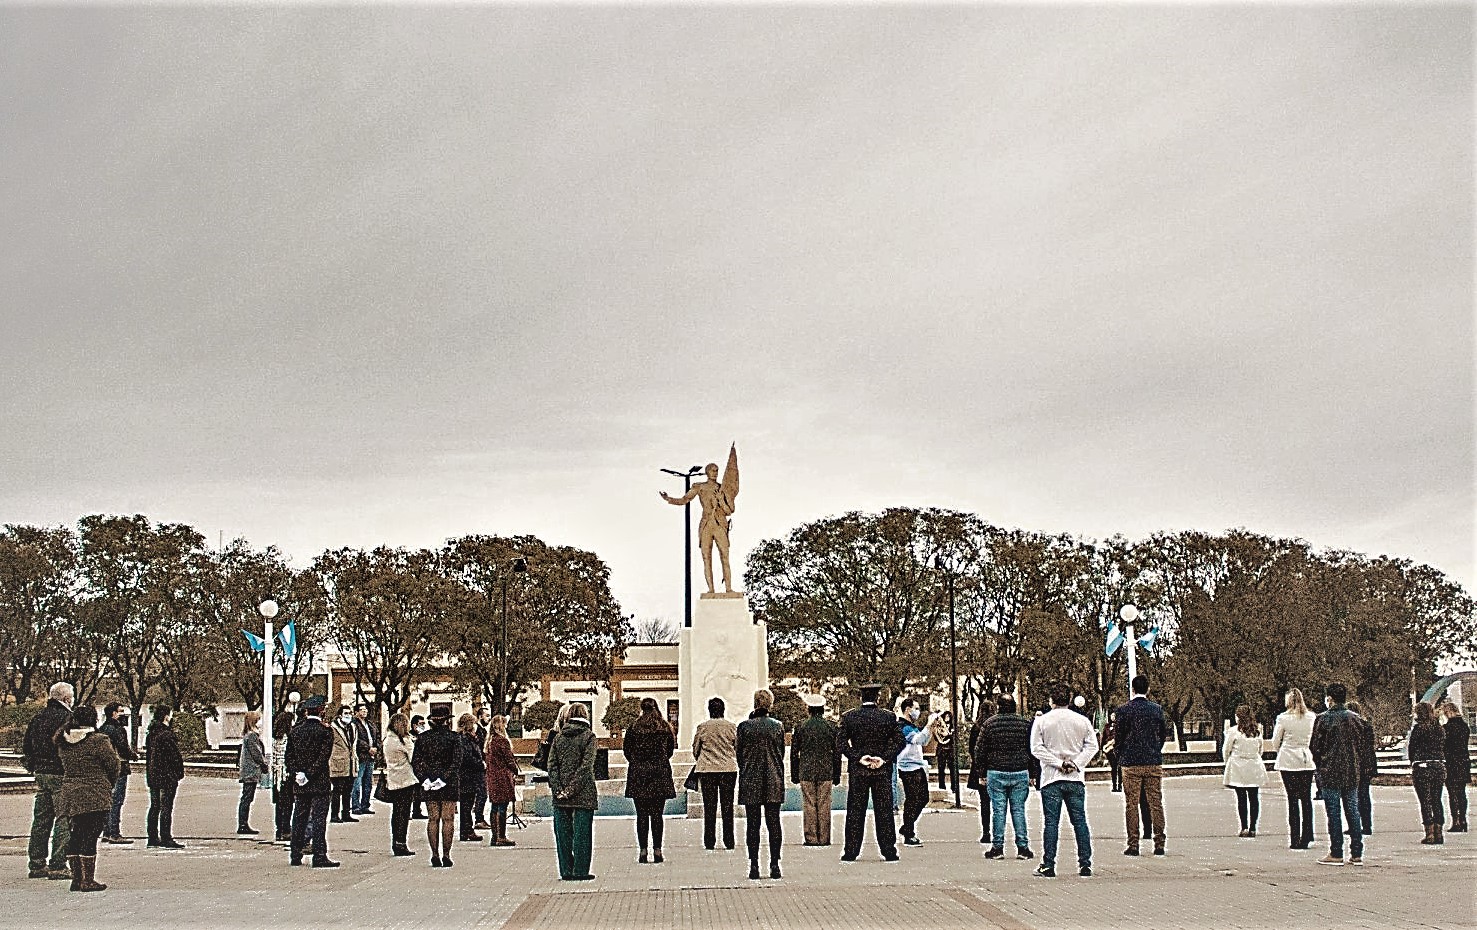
<point>20,715</point>
<point>789,708</point>
<point>190,731</point>
<point>541,715</point>
<point>621,714</point>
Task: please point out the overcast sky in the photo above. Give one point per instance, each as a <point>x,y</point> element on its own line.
<point>370,274</point>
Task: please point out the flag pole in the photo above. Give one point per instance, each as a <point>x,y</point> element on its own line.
<point>268,609</point>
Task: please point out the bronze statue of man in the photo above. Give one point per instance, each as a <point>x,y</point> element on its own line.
<point>718,502</point>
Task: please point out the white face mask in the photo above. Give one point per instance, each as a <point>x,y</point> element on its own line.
<point>912,713</point>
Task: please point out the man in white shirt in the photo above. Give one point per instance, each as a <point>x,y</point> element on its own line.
<point>1064,741</point>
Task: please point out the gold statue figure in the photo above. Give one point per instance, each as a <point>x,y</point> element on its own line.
<point>718,501</point>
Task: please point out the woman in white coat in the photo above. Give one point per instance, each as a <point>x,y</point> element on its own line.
<point>1245,771</point>
<point>400,781</point>
<point>1290,739</point>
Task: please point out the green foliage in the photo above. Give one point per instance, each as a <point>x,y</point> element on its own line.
<point>789,708</point>
<point>190,731</point>
<point>541,715</point>
<point>20,715</point>
<point>621,714</point>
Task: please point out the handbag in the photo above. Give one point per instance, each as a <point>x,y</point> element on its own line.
<point>691,782</point>
<point>381,793</point>
<point>541,755</point>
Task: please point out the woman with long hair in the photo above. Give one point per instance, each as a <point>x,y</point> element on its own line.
<point>761,779</point>
<point>502,775</point>
<point>1426,749</point>
<point>437,762</point>
<point>282,791</point>
<point>978,781</point>
<point>1245,770</point>
<point>473,772</point>
<point>1456,737</point>
<point>648,747</point>
<point>400,781</point>
<point>1290,740</point>
<point>166,768</point>
<point>576,796</point>
<point>251,768</point>
<point>90,765</point>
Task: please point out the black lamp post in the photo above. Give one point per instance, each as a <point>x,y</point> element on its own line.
<point>686,477</point>
<point>519,564</point>
<point>948,570</point>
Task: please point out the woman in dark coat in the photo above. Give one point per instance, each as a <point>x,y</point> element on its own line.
<point>976,780</point>
<point>1426,749</point>
<point>166,768</point>
<point>1456,737</point>
<point>648,747</point>
<point>90,766</point>
<point>761,779</point>
<point>576,796</point>
<point>437,762</point>
<point>502,775</point>
<point>473,773</point>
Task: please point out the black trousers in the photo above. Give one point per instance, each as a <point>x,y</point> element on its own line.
<point>86,828</point>
<point>400,801</point>
<point>649,822</point>
<point>985,811</point>
<point>1248,807</point>
<point>309,825</point>
<point>1456,795</point>
<point>161,812</point>
<point>284,805</point>
<point>947,762</point>
<point>915,799</point>
<point>466,805</point>
<point>876,788</point>
<point>770,814</point>
<point>342,787</point>
<point>1299,788</point>
<point>717,797</point>
<point>1428,779</point>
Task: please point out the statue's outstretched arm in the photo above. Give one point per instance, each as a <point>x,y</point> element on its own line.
<point>678,501</point>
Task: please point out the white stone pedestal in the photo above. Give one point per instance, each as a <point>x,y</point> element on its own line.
<point>725,653</point>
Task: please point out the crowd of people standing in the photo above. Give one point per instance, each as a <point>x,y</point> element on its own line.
<point>464,774</point>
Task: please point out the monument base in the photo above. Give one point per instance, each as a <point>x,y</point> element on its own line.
<point>725,653</point>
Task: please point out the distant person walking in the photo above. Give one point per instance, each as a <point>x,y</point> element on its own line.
<point>870,739</point>
<point>1456,737</point>
<point>252,768</point>
<point>913,769</point>
<point>1335,748</point>
<point>115,725</point>
<point>576,796</point>
<point>761,780</point>
<point>1291,737</point>
<point>1245,770</point>
<point>39,755</point>
<point>717,772</point>
<point>366,751</point>
<point>166,769</point>
<point>341,765</point>
<point>1003,749</point>
<point>815,766</point>
<point>1064,742</point>
<point>1139,730</point>
<point>306,759</point>
<point>502,778</point>
<point>648,746</point>
<point>1110,752</point>
<point>1368,766</point>
<point>472,778</point>
<point>438,764</point>
<point>398,747</point>
<point>977,781</point>
<point>945,735</point>
<point>89,769</point>
<point>1426,750</point>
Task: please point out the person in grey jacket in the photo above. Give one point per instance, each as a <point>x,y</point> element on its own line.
<point>761,783</point>
<point>717,772</point>
<point>253,769</point>
<point>815,766</point>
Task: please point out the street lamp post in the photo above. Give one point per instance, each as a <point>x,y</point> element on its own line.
<point>1128,615</point>
<point>686,477</point>
<point>268,610</point>
<point>954,694</point>
<point>519,564</point>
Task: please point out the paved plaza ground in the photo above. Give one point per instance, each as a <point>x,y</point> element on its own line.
<point>1210,879</point>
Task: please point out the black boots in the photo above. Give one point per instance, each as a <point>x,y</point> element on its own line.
<point>83,871</point>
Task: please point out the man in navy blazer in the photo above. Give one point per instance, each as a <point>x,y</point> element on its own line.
<point>1139,731</point>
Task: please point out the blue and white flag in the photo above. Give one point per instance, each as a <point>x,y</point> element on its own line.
<point>288,638</point>
<point>1146,641</point>
<point>1115,638</point>
<point>257,643</point>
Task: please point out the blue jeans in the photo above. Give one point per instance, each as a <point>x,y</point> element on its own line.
<point>115,815</point>
<point>1074,795</point>
<point>1347,800</point>
<point>363,787</point>
<point>1012,787</point>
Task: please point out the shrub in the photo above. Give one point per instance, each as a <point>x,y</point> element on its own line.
<point>190,731</point>
<point>621,714</point>
<point>541,715</point>
<point>14,719</point>
<point>789,708</point>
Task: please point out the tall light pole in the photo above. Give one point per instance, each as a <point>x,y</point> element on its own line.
<point>686,477</point>
<point>1128,615</point>
<point>519,564</point>
<point>948,570</point>
<point>268,610</point>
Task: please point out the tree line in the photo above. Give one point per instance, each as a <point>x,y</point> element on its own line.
<point>131,610</point>
<point>1242,616</point>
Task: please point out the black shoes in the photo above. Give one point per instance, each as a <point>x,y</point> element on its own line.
<point>1024,852</point>
<point>1044,871</point>
<point>401,851</point>
<point>995,852</point>
<point>324,863</point>
<point>912,841</point>
<point>1085,871</point>
<point>774,870</point>
<point>1131,851</point>
<point>754,870</point>
<point>171,844</point>
<point>1158,850</point>
<point>246,831</point>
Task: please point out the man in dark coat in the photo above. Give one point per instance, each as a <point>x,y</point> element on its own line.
<point>760,749</point>
<point>115,725</point>
<point>1139,730</point>
<point>366,750</point>
<point>870,739</point>
<point>1368,766</point>
<point>308,747</point>
<point>40,758</point>
<point>815,766</point>
<point>1002,749</point>
<point>1335,746</point>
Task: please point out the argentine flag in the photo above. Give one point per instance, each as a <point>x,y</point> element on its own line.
<point>288,638</point>
<point>1146,641</point>
<point>1115,638</point>
<point>257,643</point>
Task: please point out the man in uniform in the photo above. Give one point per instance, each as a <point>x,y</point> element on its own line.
<point>870,739</point>
<point>308,747</point>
